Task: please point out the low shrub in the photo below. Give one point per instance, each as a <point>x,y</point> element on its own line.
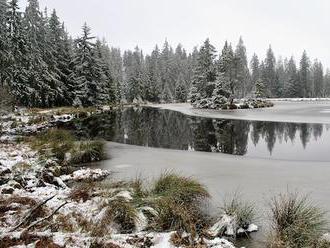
<point>296,222</point>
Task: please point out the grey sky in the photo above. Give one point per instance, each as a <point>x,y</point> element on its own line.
<point>289,25</point>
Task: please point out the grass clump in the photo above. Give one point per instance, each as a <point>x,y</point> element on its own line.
<point>62,145</point>
<point>179,203</point>
<point>88,151</point>
<point>55,142</point>
<point>244,212</point>
<point>179,188</point>
<point>121,212</point>
<point>296,222</point>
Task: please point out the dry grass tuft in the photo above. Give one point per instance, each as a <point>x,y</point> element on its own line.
<point>296,222</point>
<point>81,193</point>
<point>55,142</point>
<point>244,212</point>
<point>88,151</point>
<point>179,204</point>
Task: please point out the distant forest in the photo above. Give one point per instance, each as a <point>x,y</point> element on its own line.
<point>41,65</point>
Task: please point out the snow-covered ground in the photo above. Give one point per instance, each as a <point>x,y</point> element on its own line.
<point>284,110</point>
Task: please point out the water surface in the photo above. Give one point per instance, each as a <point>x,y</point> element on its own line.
<point>153,127</point>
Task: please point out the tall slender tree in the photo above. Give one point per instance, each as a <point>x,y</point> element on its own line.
<point>304,76</point>
<point>205,73</point>
<point>242,70</point>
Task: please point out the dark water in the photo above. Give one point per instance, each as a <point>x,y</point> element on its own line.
<point>172,130</point>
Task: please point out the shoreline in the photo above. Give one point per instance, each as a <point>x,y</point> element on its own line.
<point>312,112</point>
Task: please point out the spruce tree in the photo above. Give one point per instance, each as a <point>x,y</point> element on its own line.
<point>37,88</point>
<point>255,70</point>
<point>318,81</point>
<point>4,44</point>
<point>222,92</point>
<point>168,74</point>
<point>227,66</point>
<point>86,70</point>
<point>292,86</point>
<point>153,67</point>
<point>116,68</point>
<point>18,69</point>
<point>259,89</point>
<point>205,74</point>
<point>327,83</point>
<point>181,93</point>
<point>280,76</point>
<point>134,63</point>
<point>304,76</point>
<point>241,71</point>
<point>270,78</point>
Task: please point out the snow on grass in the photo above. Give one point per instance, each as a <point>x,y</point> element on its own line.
<point>13,154</point>
<point>86,174</point>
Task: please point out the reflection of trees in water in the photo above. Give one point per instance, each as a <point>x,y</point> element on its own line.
<point>169,129</point>
<point>273,131</point>
<point>231,136</point>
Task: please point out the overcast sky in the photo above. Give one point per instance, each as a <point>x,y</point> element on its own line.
<point>289,25</point>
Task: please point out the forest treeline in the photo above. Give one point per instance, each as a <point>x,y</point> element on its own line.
<point>42,66</point>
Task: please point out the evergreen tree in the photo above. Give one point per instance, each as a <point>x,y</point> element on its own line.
<point>134,63</point>
<point>269,75</point>
<point>292,86</point>
<point>17,50</point>
<point>37,75</point>
<point>59,62</point>
<point>280,76</point>
<point>227,66</point>
<point>115,62</point>
<point>204,74</point>
<point>181,90</point>
<point>242,70</point>
<point>4,49</point>
<point>222,91</point>
<point>304,76</point>
<point>107,90</point>
<point>89,87</point>
<point>260,89</point>
<point>318,81</point>
<point>168,74</point>
<point>153,68</point>
<point>327,83</point>
<point>255,70</point>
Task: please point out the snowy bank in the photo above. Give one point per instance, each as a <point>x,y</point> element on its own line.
<point>283,111</point>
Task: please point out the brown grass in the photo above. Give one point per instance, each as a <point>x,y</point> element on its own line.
<point>296,222</point>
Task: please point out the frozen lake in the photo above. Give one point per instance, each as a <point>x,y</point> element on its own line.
<point>258,158</point>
